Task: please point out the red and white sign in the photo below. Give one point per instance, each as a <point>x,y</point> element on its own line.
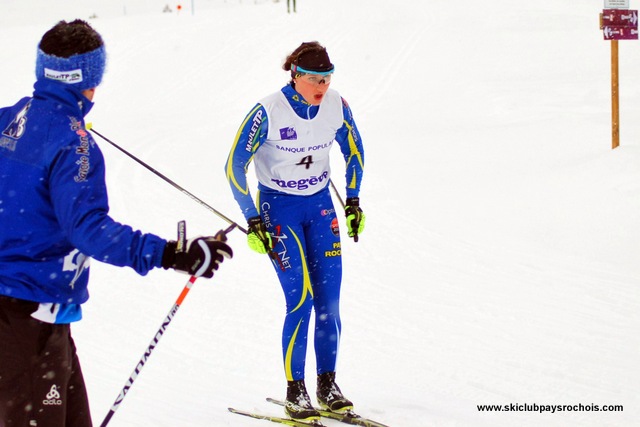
<point>619,24</point>
<point>620,33</point>
<point>622,18</point>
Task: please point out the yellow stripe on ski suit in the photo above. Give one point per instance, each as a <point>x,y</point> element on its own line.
<point>353,149</point>
<point>306,280</point>
<point>230,176</point>
<point>306,290</point>
<point>287,361</point>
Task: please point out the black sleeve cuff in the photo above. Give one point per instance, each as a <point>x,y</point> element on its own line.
<point>169,255</point>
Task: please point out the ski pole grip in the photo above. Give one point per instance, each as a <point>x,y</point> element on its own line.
<point>222,234</point>
<point>182,236</point>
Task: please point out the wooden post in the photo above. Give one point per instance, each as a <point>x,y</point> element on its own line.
<point>615,102</point>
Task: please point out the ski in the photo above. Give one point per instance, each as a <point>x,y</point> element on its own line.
<point>347,418</point>
<point>279,420</point>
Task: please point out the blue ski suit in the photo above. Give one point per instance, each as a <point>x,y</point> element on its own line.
<point>289,141</point>
<point>54,206</point>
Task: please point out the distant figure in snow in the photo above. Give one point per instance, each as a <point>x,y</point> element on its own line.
<point>54,216</point>
<point>289,6</point>
<point>289,135</point>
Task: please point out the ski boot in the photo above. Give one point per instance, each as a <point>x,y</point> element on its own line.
<point>298,403</point>
<point>329,395</point>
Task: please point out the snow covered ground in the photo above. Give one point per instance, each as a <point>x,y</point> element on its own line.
<point>500,264</point>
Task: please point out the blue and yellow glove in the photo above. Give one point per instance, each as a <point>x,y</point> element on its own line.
<point>355,217</point>
<point>258,238</point>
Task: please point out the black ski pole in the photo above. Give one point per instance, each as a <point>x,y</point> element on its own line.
<point>335,190</point>
<point>90,127</point>
<point>163,327</point>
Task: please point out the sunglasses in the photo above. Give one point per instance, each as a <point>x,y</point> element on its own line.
<point>316,79</point>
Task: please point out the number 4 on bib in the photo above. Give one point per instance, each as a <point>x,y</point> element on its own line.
<point>306,161</point>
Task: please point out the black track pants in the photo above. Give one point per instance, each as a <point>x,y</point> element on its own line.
<point>41,383</point>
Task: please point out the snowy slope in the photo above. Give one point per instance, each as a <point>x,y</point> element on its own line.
<point>500,263</point>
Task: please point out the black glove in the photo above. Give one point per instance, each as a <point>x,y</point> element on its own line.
<point>258,237</point>
<point>355,217</point>
<point>198,257</point>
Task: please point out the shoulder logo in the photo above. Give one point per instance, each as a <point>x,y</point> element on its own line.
<point>15,129</point>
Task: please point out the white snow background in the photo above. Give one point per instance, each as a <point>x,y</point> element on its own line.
<point>500,262</point>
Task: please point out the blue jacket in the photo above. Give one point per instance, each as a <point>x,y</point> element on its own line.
<point>254,130</point>
<point>53,202</point>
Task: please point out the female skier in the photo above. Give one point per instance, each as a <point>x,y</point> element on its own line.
<point>289,134</point>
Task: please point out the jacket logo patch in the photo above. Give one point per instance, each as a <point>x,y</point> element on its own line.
<point>288,133</point>
<point>15,129</point>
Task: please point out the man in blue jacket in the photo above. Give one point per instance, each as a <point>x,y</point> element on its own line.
<point>54,217</point>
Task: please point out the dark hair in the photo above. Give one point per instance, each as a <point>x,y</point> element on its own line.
<point>67,39</point>
<point>309,55</point>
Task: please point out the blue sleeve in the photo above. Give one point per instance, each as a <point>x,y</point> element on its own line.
<point>80,202</point>
<point>351,146</point>
<point>252,133</point>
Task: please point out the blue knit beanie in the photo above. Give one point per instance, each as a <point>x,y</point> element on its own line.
<point>83,71</point>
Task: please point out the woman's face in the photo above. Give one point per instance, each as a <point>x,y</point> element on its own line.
<point>312,87</point>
